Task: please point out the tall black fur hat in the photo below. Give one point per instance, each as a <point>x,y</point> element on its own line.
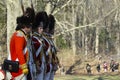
<point>41,18</point>
<point>23,20</point>
<point>51,22</point>
<point>18,20</point>
<point>30,13</point>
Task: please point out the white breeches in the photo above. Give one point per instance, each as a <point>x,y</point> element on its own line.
<point>2,75</point>
<point>21,77</point>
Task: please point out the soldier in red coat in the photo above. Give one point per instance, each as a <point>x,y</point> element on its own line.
<point>18,48</point>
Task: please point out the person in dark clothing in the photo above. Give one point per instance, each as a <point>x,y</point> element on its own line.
<point>116,66</point>
<point>98,67</point>
<point>88,68</point>
<point>112,64</point>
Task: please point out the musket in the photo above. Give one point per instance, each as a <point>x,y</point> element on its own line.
<point>22,6</point>
<point>31,4</point>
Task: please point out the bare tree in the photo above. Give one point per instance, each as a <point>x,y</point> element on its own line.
<point>84,24</point>
<point>117,20</point>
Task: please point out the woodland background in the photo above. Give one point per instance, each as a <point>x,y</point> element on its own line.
<point>87,31</point>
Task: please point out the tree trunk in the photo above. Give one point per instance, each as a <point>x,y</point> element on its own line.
<point>86,30</point>
<point>83,41</point>
<point>73,32</point>
<point>117,19</point>
<point>118,41</point>
<point>97,41</point>
<point>86,42</point>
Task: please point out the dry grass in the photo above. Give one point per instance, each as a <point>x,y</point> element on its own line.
<point>76,64</point>
<point>85,77</point>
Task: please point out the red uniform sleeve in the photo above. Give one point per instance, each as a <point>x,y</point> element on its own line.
<point>20,43</point>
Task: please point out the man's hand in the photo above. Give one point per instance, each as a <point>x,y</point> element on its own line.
<point>25,71</point>
<point>24,68</point>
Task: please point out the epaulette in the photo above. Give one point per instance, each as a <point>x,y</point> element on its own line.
<point>19,34</point>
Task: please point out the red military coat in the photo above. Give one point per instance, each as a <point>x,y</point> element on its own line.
<point>18,50</point>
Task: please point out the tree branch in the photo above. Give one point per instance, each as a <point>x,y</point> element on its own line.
<point>61,7</point>
<point>90,25</point>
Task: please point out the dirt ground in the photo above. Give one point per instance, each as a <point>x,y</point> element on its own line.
<point>77,64</point>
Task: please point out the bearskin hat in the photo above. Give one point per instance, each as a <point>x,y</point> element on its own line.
<point>25,20</point>
<point>18,20</point>
<point>22,20</point>
<point>41,18</point>
<point>51,22</point>
<point>30,13</point>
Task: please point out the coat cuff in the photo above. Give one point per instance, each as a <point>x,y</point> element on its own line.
<point>23,66</point>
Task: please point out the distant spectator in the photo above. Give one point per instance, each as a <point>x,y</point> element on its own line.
<point>105,66</point>
<point>112,64</point>
<point>88,68</point>
<point>62,70</point>
<point>98,67</point>
<point>116,66</point>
